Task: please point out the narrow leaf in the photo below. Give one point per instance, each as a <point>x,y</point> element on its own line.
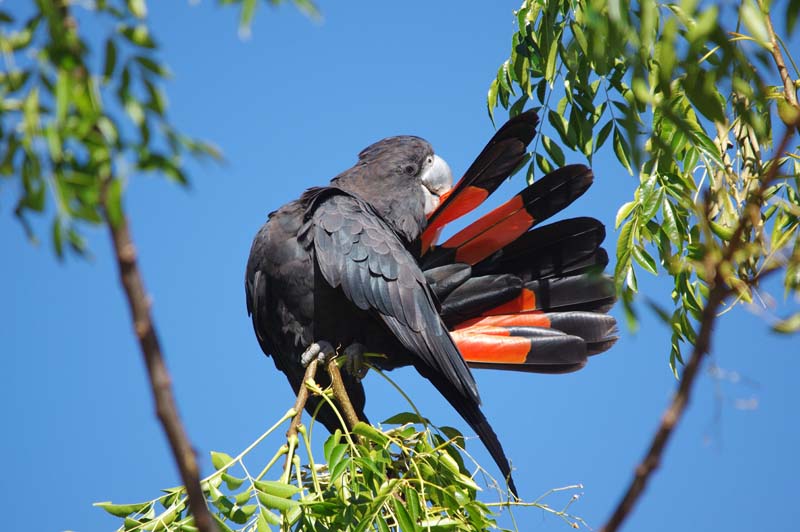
<point>220,460</point>
<point>110,60</point>
<point>788,325</point>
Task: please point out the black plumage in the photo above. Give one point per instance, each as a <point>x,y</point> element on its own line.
<point>335,266</point>
<point>356,264</point>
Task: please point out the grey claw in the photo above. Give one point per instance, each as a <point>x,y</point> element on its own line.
<point>318,350</point>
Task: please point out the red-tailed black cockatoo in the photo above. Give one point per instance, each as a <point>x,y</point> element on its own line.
<point>353,266</point>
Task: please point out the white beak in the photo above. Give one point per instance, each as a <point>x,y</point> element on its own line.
<point>436,180</point>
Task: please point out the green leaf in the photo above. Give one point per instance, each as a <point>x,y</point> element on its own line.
<point>630,279</point>
<point>670,224</point>
<point>792,11</point>
<point>491,99</point>
<point>370,433</point>
<point>603,134</point>
<point>135,111</point>
<point>220,460</point>
<point>152,66</point>
<point>58,237</point>
<point>621,150</point>
<point>644,259</point>
<point>623,213</point>
<point>553,150</point>
<point>503,77</point>
<point>62,94</point>
<point>336,454</point>
<point>138,35</point>
<point>242,514</point>
<point>157,102</point>
<point>403,517</point>
<point>625,244</point>
<point>788,113</point>
<point>277,503</point>
<point>702,92</point>
<point>560,124</point>
<point>754,20</point>
<point>76,241</point>
<point>543,163</point>
<point>404,418</point>
<point>246,16</point>
<point>518,106</point>
<point>277,488</point>
<point>381,524</point>
<point>550,66</point>
<point>138,8</point>
<point>231,481</point>
<point>263,522</point>
<point>222,524</point>
<point>789,325</point>
<point>723,232</point>
<point>122,510</point>
<point>110,60</point>
<point>131,524</point>
<point>412,503</point>
<point>454,434</point>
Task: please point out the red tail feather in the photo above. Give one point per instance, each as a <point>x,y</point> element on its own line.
<point>523,319</point>
<point>498,160</point>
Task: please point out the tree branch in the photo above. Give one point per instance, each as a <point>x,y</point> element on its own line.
<point>64,29</point>
<point>340,393</point>
<point>777,56</point>
<point>160,382</point>
<point>302,397</point>
<point>719,290</point>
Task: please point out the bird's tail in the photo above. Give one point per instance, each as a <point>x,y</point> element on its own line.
<point>471,412</point>
<point>517,298</point>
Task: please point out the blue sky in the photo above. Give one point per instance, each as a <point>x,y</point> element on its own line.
<point>290,108</point>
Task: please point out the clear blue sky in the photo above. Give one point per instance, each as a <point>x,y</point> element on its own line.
<point>290,108</point>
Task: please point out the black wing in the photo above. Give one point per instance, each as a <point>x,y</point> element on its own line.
<point>357,251</point>
<point>279,290</point>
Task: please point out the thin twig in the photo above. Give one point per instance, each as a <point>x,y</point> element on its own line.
<point>775,50</point>
<point>340,393</point>
<point>160,382</point>
<point>718,291</point>
<point>299,406</point>
<point>302,397</point>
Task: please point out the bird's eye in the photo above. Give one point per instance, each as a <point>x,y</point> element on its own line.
<point>410,169</point>
<point>430,159</point>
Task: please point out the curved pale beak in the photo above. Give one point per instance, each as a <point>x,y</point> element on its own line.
<point>437,180</point>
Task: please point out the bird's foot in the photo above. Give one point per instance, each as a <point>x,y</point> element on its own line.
<point>317,351</point>
<point>355,362</point>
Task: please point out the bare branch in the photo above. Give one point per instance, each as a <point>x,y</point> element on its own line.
<point>62,22</point>
<point>717,294</point>
<point>160,382</point>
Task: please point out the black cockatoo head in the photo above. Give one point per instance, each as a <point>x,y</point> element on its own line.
<point>402,179</point>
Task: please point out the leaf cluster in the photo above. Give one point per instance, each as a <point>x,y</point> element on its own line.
<point>247,10</point>
<point>690,110</point>
<point>73,133</point>
<point>405,475</point>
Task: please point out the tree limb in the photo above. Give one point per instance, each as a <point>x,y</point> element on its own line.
<point>64,28</point>
<point>160,382</point>
<point>719,290</point>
